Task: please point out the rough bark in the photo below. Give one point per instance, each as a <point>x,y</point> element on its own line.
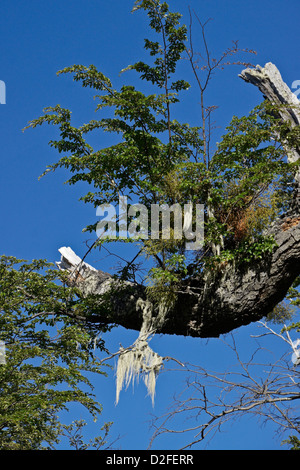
<point>269,81</point>
<point>233,297</point>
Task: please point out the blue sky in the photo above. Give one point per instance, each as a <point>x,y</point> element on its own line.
<point>37,38</point>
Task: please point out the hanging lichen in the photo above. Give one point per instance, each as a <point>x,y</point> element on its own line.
<point>140,359</point>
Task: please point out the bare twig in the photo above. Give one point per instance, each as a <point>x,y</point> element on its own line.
<point>214,397</point>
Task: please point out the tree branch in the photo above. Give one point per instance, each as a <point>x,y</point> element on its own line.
<point>234,296</point>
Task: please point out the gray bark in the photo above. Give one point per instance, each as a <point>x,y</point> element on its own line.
<point>269,81</point>
<point>233,297</point>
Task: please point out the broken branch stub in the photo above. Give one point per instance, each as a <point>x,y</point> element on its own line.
<point>269,81</point>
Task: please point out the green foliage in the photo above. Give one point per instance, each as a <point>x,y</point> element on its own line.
<point>48,353</point>
<point>164,282</point>
<point>293,294</point>
<point>294,442</point>
<point>74,434</point>
<point>168,53</point>
<point>286,311</point>
<point>282,313</point>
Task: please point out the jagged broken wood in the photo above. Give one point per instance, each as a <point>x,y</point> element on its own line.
<point>236,297</point>
<point>269,81</point>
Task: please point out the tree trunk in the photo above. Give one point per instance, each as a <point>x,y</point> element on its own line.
<point>232,298</point>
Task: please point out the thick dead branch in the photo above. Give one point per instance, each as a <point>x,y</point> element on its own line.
<point>269,81</point>
<point>227,300</point>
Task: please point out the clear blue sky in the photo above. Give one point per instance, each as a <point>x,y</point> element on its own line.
<point>37,38</point>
